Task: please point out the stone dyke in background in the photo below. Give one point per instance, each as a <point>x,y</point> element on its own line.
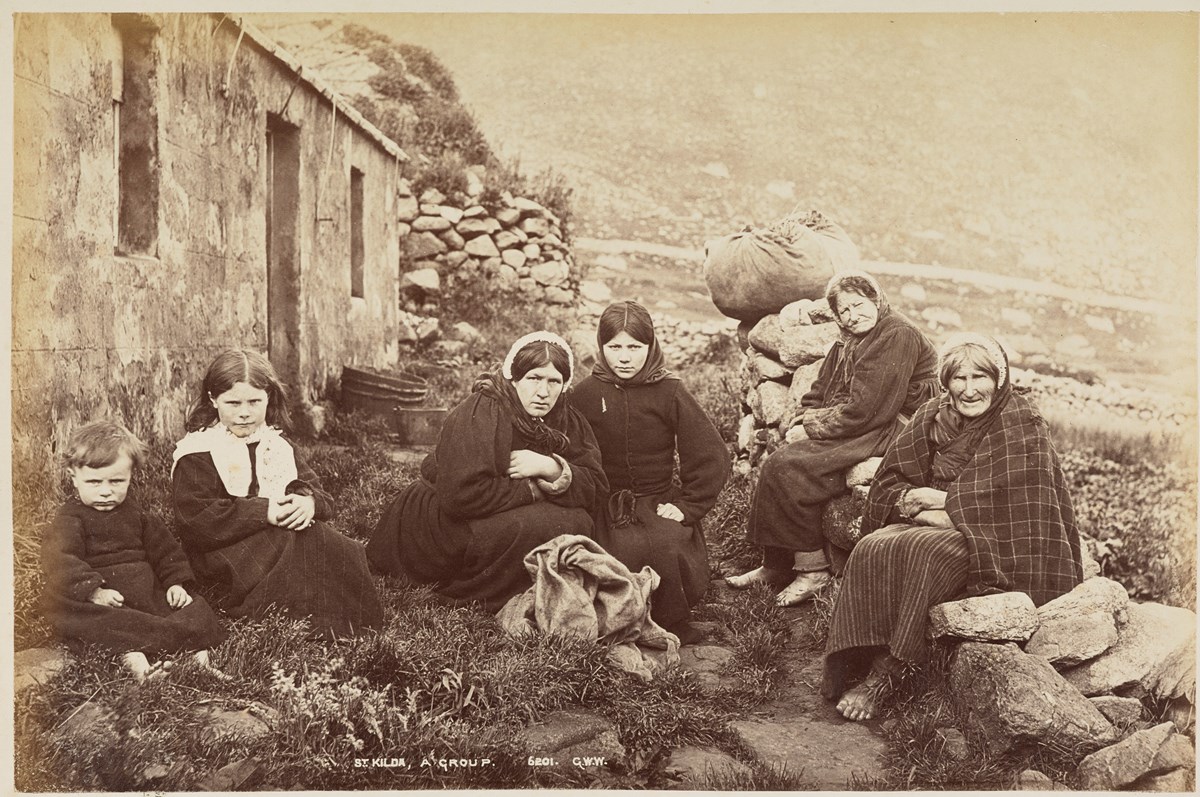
<point>514,244</point>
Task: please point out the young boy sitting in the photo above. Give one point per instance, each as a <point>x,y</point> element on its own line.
<point>114,574</point>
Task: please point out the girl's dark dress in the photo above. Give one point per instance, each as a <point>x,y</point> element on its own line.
<point>131,552</point>
<point>316,572</point>
<point>465,525</point>
<point>640,428</point>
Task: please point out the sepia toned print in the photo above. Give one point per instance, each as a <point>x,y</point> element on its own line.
<point>359,213</point>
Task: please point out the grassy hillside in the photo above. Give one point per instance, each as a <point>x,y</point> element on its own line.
<point>1058,147</point>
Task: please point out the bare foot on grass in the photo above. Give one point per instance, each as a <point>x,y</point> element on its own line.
<point>201,659</point>
<point>861,702</point>
<point>137,663</point>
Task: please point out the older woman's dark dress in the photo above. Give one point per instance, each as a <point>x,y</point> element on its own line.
<point>1014,530</point>
<point>465,526</point>
<point>851,413</point>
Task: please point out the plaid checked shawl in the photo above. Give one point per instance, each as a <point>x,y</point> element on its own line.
<point>1010,502</point>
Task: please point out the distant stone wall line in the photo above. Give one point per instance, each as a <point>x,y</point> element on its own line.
<point>919,271</point>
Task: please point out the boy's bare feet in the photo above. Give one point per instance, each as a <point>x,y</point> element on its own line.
<point>804,587</point>
<point>201,659</point>
<point>759,575</point>
<point>137,663</point>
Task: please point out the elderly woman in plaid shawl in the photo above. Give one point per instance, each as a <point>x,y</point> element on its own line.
<point>969,500</point>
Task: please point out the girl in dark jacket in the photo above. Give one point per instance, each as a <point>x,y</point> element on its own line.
<point>644,418</point>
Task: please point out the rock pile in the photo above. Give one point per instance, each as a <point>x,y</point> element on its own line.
<point>1089,670</point>
<point>515,244</point>
<point>783,355</point>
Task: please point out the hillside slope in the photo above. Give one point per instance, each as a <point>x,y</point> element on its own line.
<point>1057,147</point>
<point>1051,147</point>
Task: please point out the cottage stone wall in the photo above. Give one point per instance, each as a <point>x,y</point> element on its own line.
<point>96,333</point>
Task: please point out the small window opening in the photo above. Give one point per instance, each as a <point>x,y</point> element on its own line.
<point>357,252</point>
<point>135,124</point>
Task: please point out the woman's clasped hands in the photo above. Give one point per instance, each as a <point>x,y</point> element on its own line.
<point>293,511</point>
<point>925,506</point>
<point>526,464</point>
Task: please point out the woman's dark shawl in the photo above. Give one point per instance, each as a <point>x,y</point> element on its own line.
<point>1010,502</point>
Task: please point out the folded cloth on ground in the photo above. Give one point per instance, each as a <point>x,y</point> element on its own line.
<point>582,590</point>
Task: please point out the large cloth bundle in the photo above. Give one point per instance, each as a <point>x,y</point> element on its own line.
<point>580,590</point>
<point>756,272</point>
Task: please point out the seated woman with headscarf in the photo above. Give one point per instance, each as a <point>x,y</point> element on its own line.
<point>881,370</point>
<point>514,467</point>
<point>970,500</point>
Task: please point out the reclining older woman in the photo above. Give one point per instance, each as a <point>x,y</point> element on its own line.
<point>971,501</point>
<point>881,370</point>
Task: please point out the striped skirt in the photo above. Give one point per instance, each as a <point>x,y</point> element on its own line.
<point>891,580</point>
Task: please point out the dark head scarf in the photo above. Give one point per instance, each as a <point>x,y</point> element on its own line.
<point>630,317</point>
<point>546,434</point>
<point>955,437</point>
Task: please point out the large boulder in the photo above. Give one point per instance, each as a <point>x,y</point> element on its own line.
<point>1092,595</point>
<point>841,520</point>
<point>1012,700</point>
<point>861,474</point>
<point>431,224</point>
<point>422,281</point>
<point>1068,641</point>
<point>767,335</point>
<point>694,767</point>
<point>1155,651</point>
<point>1145,753</point>
<point>422,245</point>
<point>566,735</point>
<point>805,345</point>
<point>1120,711</point>
<point>1004,617</point>
<point>762,368</point>
<point>802,381</point>
<point>794,346</point>
<point>36,666</point>
<point>481,246</point>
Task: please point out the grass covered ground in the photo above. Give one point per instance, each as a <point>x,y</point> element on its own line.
<point>437,682</point>
<point>442,681</point>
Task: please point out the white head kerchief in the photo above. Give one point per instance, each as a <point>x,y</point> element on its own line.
<point>274,459</point>
<point>542,335</point>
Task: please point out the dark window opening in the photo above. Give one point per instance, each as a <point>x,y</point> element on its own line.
<point>357,253</point>
<point>283,247</point>
<point>136,129</point>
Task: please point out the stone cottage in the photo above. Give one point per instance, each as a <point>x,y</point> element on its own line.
<point>182,185</point>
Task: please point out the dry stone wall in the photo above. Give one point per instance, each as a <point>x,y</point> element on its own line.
<point>515,244</point>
